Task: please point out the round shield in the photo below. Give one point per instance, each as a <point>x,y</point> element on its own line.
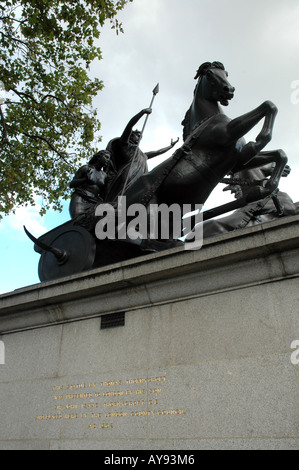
<point>77,249</point>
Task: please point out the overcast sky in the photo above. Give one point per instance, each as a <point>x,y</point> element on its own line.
<point>165,41</point>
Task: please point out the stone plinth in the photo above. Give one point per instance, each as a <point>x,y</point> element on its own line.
<point>199,358</point>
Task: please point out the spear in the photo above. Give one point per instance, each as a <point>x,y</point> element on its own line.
<point>155,92</point>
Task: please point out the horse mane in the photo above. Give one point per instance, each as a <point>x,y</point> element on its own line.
<point>199,74</point>
<point>206,66</point>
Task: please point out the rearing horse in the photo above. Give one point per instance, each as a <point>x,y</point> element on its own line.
<point>214,147</point>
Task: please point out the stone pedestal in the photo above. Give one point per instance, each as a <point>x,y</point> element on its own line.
<point>176,350</point>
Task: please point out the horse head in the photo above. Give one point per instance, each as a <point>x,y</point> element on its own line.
<point>213,84</point>
<point>212,87</point>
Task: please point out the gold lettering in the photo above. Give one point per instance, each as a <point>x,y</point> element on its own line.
<point>112,394</point>
<point>116,414</point>
<point>90,405</point>
<point>142,413</point>
<point>106,426</point>
<point>101,426</point>
<point>153,402</point>
<point>51,417</point>
<point>131,398</point>
<point>170,412</point>
<point>157,379</point>
<point>71,396</point>
<point>71,387</point>
<point>111,383</point>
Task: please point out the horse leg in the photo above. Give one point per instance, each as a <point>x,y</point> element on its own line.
<point>238,127</point>
<point>263,158</point>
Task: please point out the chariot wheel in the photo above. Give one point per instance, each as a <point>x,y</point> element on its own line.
<point>71,250</point>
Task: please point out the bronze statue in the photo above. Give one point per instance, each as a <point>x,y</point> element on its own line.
<point>213,148</point>
<point>89,184</point>
<point>129,161</point>
<point>276,205</point>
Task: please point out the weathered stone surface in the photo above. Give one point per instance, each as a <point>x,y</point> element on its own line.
<point>202,362</point>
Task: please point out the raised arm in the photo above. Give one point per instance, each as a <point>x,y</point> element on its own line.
<point>155,153</point>
<point>128,129</point>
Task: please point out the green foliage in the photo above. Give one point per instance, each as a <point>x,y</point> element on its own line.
<point>47,124</point>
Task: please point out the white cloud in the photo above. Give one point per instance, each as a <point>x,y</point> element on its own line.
<point>28,216</point>
<point>167,40</point>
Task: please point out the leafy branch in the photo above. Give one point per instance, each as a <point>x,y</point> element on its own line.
<point>47,120</point>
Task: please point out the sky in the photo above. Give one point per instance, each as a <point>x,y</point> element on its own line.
<point>165,41</point>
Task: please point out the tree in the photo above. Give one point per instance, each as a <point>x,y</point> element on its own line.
<point>47,123</point>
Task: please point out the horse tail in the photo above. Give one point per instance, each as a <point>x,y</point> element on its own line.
<point>186,124</point>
